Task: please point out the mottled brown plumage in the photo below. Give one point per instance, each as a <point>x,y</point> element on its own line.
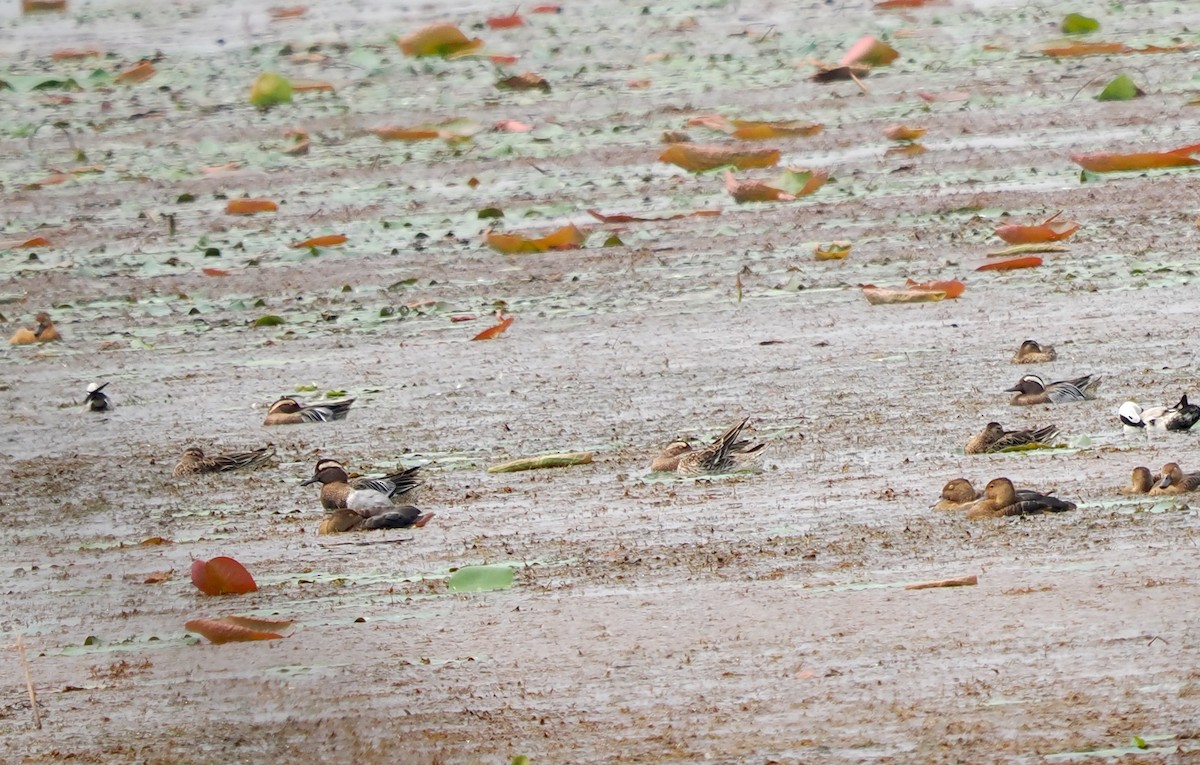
<point>195,461</point>
<point>1172,480</point>
<point>289,411</point>
<point>1032,353</point>
<point>1000,499</point>
<point>995,438</point>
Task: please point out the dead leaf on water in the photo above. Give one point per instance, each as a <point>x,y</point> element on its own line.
<point>445,40</point>
<point>698,158</point>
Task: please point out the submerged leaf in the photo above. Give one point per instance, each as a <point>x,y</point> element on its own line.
<point>481,578</point>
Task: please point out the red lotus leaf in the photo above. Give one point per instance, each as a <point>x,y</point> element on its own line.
<point>222,576</point>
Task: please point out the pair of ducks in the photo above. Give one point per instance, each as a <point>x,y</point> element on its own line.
<point>43,332</point>
<point>1170,480</point>
<point>998,500</point>
<point>286,410</point>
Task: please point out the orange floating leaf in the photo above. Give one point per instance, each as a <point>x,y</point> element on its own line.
<point>222,576</point>
<point>903,132</point>
<point>461,318</point>
<point>332,240</point>
<point>493,332</point>
<point>405,134</point>
<point>250,206</point>
<point>1084,49</point>
<point>258,622</point>
<point>51,180</point>
<point>699,158</point>
<point>278,13</point>
<point>505,22</point>
<point>445,40</point>
<point>214,272</point>
<point>503,59</point>
<point>157,577</point>
<point>754,191</point>
<point>750,130</point>
<point>870,51</point>
<point>802,182</point>
<point>546,9</point>
<point>37,241</point>
<point>224,630</point>
<point>41,6</point>
<point>952,288</point>
<point>454,130</point>
<point>565,238</point>
<point>1110,162</point>
<point>881,296</point>
<point>301,86</point>
<point>1031,261</point>
<point>1046,231</point>
<point>139,72</point>
<point>69,54</point>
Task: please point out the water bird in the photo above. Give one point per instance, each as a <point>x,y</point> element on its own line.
<point>1182,416</point>
<point>1001,499</point>
<point>289,411</point>
<point>1140,481</point>
<point>726,454</point>
<point>995,438</point>
<point>395,485</point>
<point>1031,389</point>
<point>44,332</point>
<point>194,460</point>
<point>97,400</point>
<point>1172,480</point>
<point>351,509</point>
<point>1032,353</point>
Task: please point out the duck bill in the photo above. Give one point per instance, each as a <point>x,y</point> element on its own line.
<point>1165,482</point>
<point>1014,389</point>
<point>310,480</point>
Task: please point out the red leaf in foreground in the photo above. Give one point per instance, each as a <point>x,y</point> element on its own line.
<point>222,576</point>
<point>1032,261</point>
<point>493,332</point>
<point>214,272</point>
<point>235,629</point>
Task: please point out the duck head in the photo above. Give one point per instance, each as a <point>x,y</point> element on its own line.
<point>959,490</point>
<point>1169,474</point>
<point>329,473</point>
<point>1131,415</point>
<point>1001,491</point>
<point>284,406</point>
<point>1028,384</point>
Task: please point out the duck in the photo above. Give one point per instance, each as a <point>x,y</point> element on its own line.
<point>351,509</point>
<point>1172,480</point>
<point>97,400</point>
<point>726,454</point>
<point>1140,481</point>
<point>44,332</point>
<point>396,485</point>
<point>959,494</point>
<point>1032,353</point>
<point>1182,416</point>
<point>289,411</point>
<point>194,460</point>
<point>995,438</point>
<point>1001,499</point>
<point>1031,389</point>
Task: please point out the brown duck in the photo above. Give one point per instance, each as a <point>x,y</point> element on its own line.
<point>289,411</point>
<point>995,438</point>
<point>1172,480</point>
<point>1001,499</point>
<point>1140,481</point>
<point>44,332</point>
<point>194,460</point>
<point>726,454</point>
<point>352,508</point>
<point>1032,353</point>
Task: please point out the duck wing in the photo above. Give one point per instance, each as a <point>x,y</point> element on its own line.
<point>222,463</point>
<point>327,412</point>
<point>1079,389</point>
<point>1023,437</point>
<point>1182,416</point>
<point>1032,503</point>
<point>394,485</point>
<point>397,518</point>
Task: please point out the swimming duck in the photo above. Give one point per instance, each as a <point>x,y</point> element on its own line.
<point>995,438</point>
<point>1031,389</point>
<point>97,400</point>
<point>352,509</point>
<point>195,461</point>
<point>726,454</point>
<point>1140,481</point>
<point>396,485</point>
<point>289,411</point>
<point>1172,480</point>
<point>1182,416</point>
<point>959,494</point>
<point>44,332</point>
<point>1032,353</point>
<point>1000,499</point>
